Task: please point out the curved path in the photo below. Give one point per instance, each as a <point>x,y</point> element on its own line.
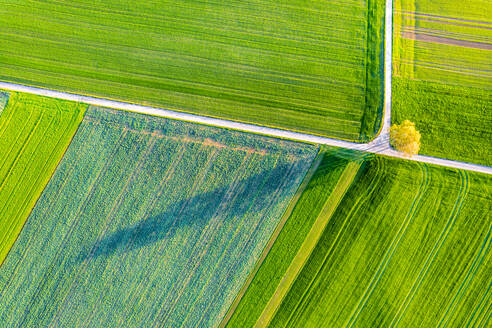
<point>380,145</point>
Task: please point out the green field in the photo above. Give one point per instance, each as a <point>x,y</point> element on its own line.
<point>463,134</point>
<point>148,222</point>
<point>3,101</point>
<point>443,75</point>
<point>310,66</point>
<point>34,133</point>
<point>408,246</point>
<point>294,233</point>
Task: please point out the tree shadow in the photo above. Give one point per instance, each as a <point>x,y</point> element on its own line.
<point>194,211</point>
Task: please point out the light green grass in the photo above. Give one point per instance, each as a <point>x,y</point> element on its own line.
<point>446,89</point>
<point>409,246</point>
<point>148,221</point>
<point>34,133</point>
<point>291,238</point>
<point>307,66</point>
<point>309,243</point>
<point>455,122</point>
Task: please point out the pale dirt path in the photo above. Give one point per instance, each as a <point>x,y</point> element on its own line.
<point>380,145</point>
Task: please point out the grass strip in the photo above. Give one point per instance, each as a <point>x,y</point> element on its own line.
<point>389,256</point>
<point>291,237</point>
<point>309,244</point>
<point>35,131</point>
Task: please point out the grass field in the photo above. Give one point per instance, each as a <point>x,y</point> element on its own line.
<point>310,66</point>
<point>34,133</point>
<point>443,75</point>
<point>291,238</point>
<point>463,133</point>
<point>408,246</point>
<point>148,222</point>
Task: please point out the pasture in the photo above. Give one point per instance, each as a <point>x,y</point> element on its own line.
<point>408,246</point>
<point>443,75</point>
<point>148,222</point>
<point>309,66</point>
<point>34,133</point>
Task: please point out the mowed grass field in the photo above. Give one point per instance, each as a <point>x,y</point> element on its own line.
<point>408,246</point>
<point>293,235</point>
<point>148,222</point>
<point>34,133</point>
<point>309,66</point>
<point>443,75</point>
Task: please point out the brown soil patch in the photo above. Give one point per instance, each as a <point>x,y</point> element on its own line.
<point>443,40</point>
<point>448,18</point>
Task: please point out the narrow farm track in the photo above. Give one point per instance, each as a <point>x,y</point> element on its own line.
<point>380,145</point>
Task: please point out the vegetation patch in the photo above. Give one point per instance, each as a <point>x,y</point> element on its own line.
<point>443,75</point>
<point>454,121</point>
<point>4,97</point>
<point>291,238</point>
<point>309,66</point>
<point>409,245</point>
<point>34,134</point>
<point>148,221</point>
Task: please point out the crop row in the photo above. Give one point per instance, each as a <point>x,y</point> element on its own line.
<point>156,223</point>
<point>312,66</point>
<point>34,133</point>
<point>443,76</point>
<point>409,245</point>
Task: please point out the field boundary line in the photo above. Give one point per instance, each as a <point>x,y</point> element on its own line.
<point>273,238</point>
<point>47,276</point>
<point>100,234</point>
<point>380,145</point>
<point>313,279</point>
<point>48,208</point>
<point>310,242</point>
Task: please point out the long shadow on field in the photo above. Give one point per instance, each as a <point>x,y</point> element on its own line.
<point>196,212</point>
<point>193,213</point>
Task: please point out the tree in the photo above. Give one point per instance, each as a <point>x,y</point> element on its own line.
<point>405,138</point>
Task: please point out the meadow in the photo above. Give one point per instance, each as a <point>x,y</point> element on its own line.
<point>293,235</point>
<point>408,246</point>
<point>148,222</point>
<point>309,66</point>
<point>443,75</point>
<point>34,134</point>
